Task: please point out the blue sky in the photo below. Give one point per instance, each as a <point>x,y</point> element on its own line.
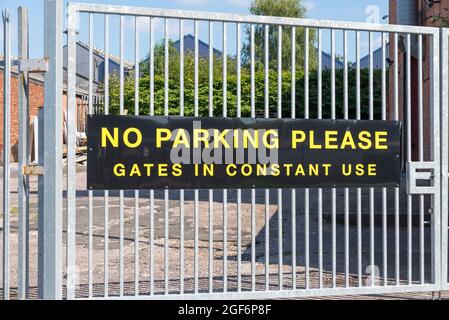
<point>344,10</point>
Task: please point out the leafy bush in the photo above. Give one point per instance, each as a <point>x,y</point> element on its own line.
<point>259,80</point>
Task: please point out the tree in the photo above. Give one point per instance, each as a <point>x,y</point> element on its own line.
<point>279,8</point>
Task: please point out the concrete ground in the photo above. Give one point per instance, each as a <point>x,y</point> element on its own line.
<point>202,254</point>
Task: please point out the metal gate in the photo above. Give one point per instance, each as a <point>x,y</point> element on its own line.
<point>225,244</point>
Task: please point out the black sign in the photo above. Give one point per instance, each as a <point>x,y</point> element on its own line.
<point>138,152</point>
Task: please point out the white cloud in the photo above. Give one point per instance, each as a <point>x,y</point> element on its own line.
<point>309,5</point>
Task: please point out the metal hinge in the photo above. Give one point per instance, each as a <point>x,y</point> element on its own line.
<point>33,170</point>
<point>420,178</point>
<point>33,65</point>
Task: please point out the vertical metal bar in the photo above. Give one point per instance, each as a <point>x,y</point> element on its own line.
<point>52,238</point>
<point>396,193</point>
<point>181,68</point>
<point>196,263</point>
<point>359,190</point>
<point>280,235</point>
<point>239,191</point>
<point>421,149</point>
<point>136,192</point>
<point>435,156</point>
<point>253,191</point>
<point>106,193</point>
<point>166,62</point>
<point>196,48</point>
<point>444,154</point>
<point>90,201</point>
<point>384,190</point>
<point>293,72</point>
<point>182,237</point>
<point>334,194</point>
<point>40,196</point>
<point>280,220</point>
<point>371,190</point>
<point>225,192</point>
<point>267,191</point>
<point>181,192</point>
<point>6,151</point>
<point>346,116</point>
<point>211,192</point>
<point>320,191</point>
<point>293,111</point>
<point>23,181</point>
<point>211,69</point>
<point>152,254</point>
<point>196,192</point>
<point>152,191</point>
<point>409,155</point>
<point>253,239</point>
<point>166,192</point>
<point>121,196</point>
<point>71,151</point>
<point>306,191</point>
<point>152,66</point>
<point>166,239</point>
<point>211,241</point>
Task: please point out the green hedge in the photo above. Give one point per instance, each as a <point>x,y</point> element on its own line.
<point>203,89</point>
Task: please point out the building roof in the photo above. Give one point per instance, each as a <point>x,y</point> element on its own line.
<point>326,61</point>
<point>37,78</point>
<point>377,59</point>
<point>189,45</point>
<point>99,52</point>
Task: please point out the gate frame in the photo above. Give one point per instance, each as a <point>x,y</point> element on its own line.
<point>444,155</point>
<point>435,114</point>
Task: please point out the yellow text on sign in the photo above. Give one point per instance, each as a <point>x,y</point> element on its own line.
<point>113,138</point>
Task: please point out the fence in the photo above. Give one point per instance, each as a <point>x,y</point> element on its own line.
<point>199,244</point>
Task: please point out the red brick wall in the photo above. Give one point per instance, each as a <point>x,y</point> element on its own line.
<point>425,18</point>
<point>36,102</point>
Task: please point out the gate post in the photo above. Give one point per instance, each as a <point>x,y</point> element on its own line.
<point>50,262</point>
<point>444,153</point>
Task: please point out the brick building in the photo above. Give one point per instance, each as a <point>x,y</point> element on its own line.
<point>422,13</point>
<point>36,99</point>
<point>36,89</point>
